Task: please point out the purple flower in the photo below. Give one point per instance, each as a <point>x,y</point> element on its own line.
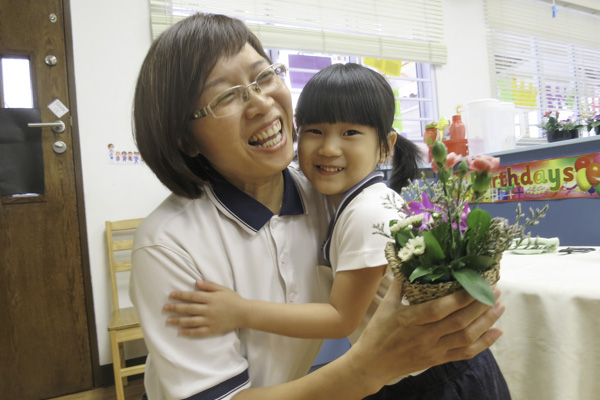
<point>426,207</point>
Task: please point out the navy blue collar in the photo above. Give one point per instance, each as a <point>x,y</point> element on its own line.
<point>372,179</point>
<point>248,210</point>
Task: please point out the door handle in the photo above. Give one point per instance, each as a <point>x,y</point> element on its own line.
<point>57,126</point>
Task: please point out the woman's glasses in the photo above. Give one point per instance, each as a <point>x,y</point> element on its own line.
<point>234,99</point>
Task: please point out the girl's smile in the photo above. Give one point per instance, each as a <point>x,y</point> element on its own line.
<point>335,157</point>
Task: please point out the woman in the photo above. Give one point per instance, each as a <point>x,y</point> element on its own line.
<point>213,120</point>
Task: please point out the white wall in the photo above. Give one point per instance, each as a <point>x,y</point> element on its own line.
<point>111,38</point>
<point>465,77</point>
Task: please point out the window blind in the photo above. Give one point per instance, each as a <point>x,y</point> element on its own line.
<point>409,30</point>
<point>544,63</point>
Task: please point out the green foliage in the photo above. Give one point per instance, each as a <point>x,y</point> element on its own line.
<point>474,283</point>
<point>553,124</point>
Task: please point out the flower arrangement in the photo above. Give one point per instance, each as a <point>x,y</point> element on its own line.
<point>441,243</point>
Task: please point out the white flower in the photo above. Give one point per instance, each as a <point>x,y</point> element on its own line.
<point>414,247</point>
<point>403,223</point>
<point>417,245</point>
<point>416,219</point>
<point>405,254</point>
<point>407,222</point>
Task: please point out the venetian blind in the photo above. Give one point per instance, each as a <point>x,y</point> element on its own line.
<point>544,63</point>
<point>410,30</point>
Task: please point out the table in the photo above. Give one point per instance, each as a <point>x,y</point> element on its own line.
<point>550,349</point>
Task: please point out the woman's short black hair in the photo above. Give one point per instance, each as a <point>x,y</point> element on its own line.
<point>353,93</point>
<point>169,86</point>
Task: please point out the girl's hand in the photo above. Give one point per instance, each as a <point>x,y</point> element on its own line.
<point>211,310</point>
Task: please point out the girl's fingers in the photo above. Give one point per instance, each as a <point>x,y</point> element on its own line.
<point>209,286</point>
<point>186,308</point>
<point>193,297</point>
<point>195,332</point>
<point>186,322</point>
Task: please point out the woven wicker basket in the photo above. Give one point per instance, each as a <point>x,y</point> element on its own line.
<point>417,293</point>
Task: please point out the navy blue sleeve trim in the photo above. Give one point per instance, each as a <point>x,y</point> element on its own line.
<point>223,389</point>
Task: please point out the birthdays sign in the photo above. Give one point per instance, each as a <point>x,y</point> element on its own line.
<point>559,178</point>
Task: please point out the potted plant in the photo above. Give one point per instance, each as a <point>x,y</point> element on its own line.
<point>441,244</point>
<point>593,123</point>
<point>560,130</point>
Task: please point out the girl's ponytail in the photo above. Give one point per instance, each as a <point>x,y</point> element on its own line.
<point>405,163</point>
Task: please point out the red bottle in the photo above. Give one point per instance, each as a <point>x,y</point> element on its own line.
<point>457,129</point>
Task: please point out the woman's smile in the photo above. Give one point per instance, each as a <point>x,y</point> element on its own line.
<point>269,137</point>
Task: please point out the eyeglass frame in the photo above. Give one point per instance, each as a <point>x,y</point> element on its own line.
<point>207,110</point>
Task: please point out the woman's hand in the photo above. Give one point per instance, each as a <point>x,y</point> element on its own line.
<point>403,339</point>
<point>211,310</point>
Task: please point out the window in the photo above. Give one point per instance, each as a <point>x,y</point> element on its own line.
<point>412,83</point>
<point>388,29</point>
<point>15,83</point>
<point>543,63</point>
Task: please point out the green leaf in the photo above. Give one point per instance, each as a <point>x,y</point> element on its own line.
<point>475,285</point>
<point>432,247</point>
<point>401,238</point>
<point>419,272</point>
<point>473,262</point>
<point>479,218</point>
<point>441,271</point>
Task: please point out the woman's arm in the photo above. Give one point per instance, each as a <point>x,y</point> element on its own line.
<point>216,309</point>
<point>397,341</point>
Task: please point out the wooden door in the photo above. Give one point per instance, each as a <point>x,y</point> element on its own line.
<point>44,338</point>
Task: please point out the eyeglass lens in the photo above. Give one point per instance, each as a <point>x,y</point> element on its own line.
<point>232,100</point>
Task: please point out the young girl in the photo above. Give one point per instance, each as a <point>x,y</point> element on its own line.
<point>344,118</point>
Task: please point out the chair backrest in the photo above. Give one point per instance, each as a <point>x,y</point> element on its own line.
<point>119,240</point>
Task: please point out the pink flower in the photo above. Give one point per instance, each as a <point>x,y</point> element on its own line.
<point>451,160</point>
<point>483,163</point>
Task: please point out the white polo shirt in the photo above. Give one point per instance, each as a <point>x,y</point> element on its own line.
<point>353,244</point>
<point>229,238</point>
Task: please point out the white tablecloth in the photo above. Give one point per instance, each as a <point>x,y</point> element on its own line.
<point>550,349</point>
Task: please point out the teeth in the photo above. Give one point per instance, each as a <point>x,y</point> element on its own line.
<point>331,169</point>
<point>272,142</point>
<point>273,132</point>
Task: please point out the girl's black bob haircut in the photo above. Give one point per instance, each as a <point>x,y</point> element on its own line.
<point>353,93</point>
<point>348,93</point>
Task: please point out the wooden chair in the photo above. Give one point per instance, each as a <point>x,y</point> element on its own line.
<point>124,323</point>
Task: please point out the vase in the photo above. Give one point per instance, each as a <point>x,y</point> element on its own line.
<point>597,130</point>
<point>430,135</point>
<point>429,138</point>
<point>555,136</point>
<point>416,293</point>
<point>457,129</point>
<point>458,146</point>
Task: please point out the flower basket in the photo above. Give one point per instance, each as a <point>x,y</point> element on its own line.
<point>417,293</point>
